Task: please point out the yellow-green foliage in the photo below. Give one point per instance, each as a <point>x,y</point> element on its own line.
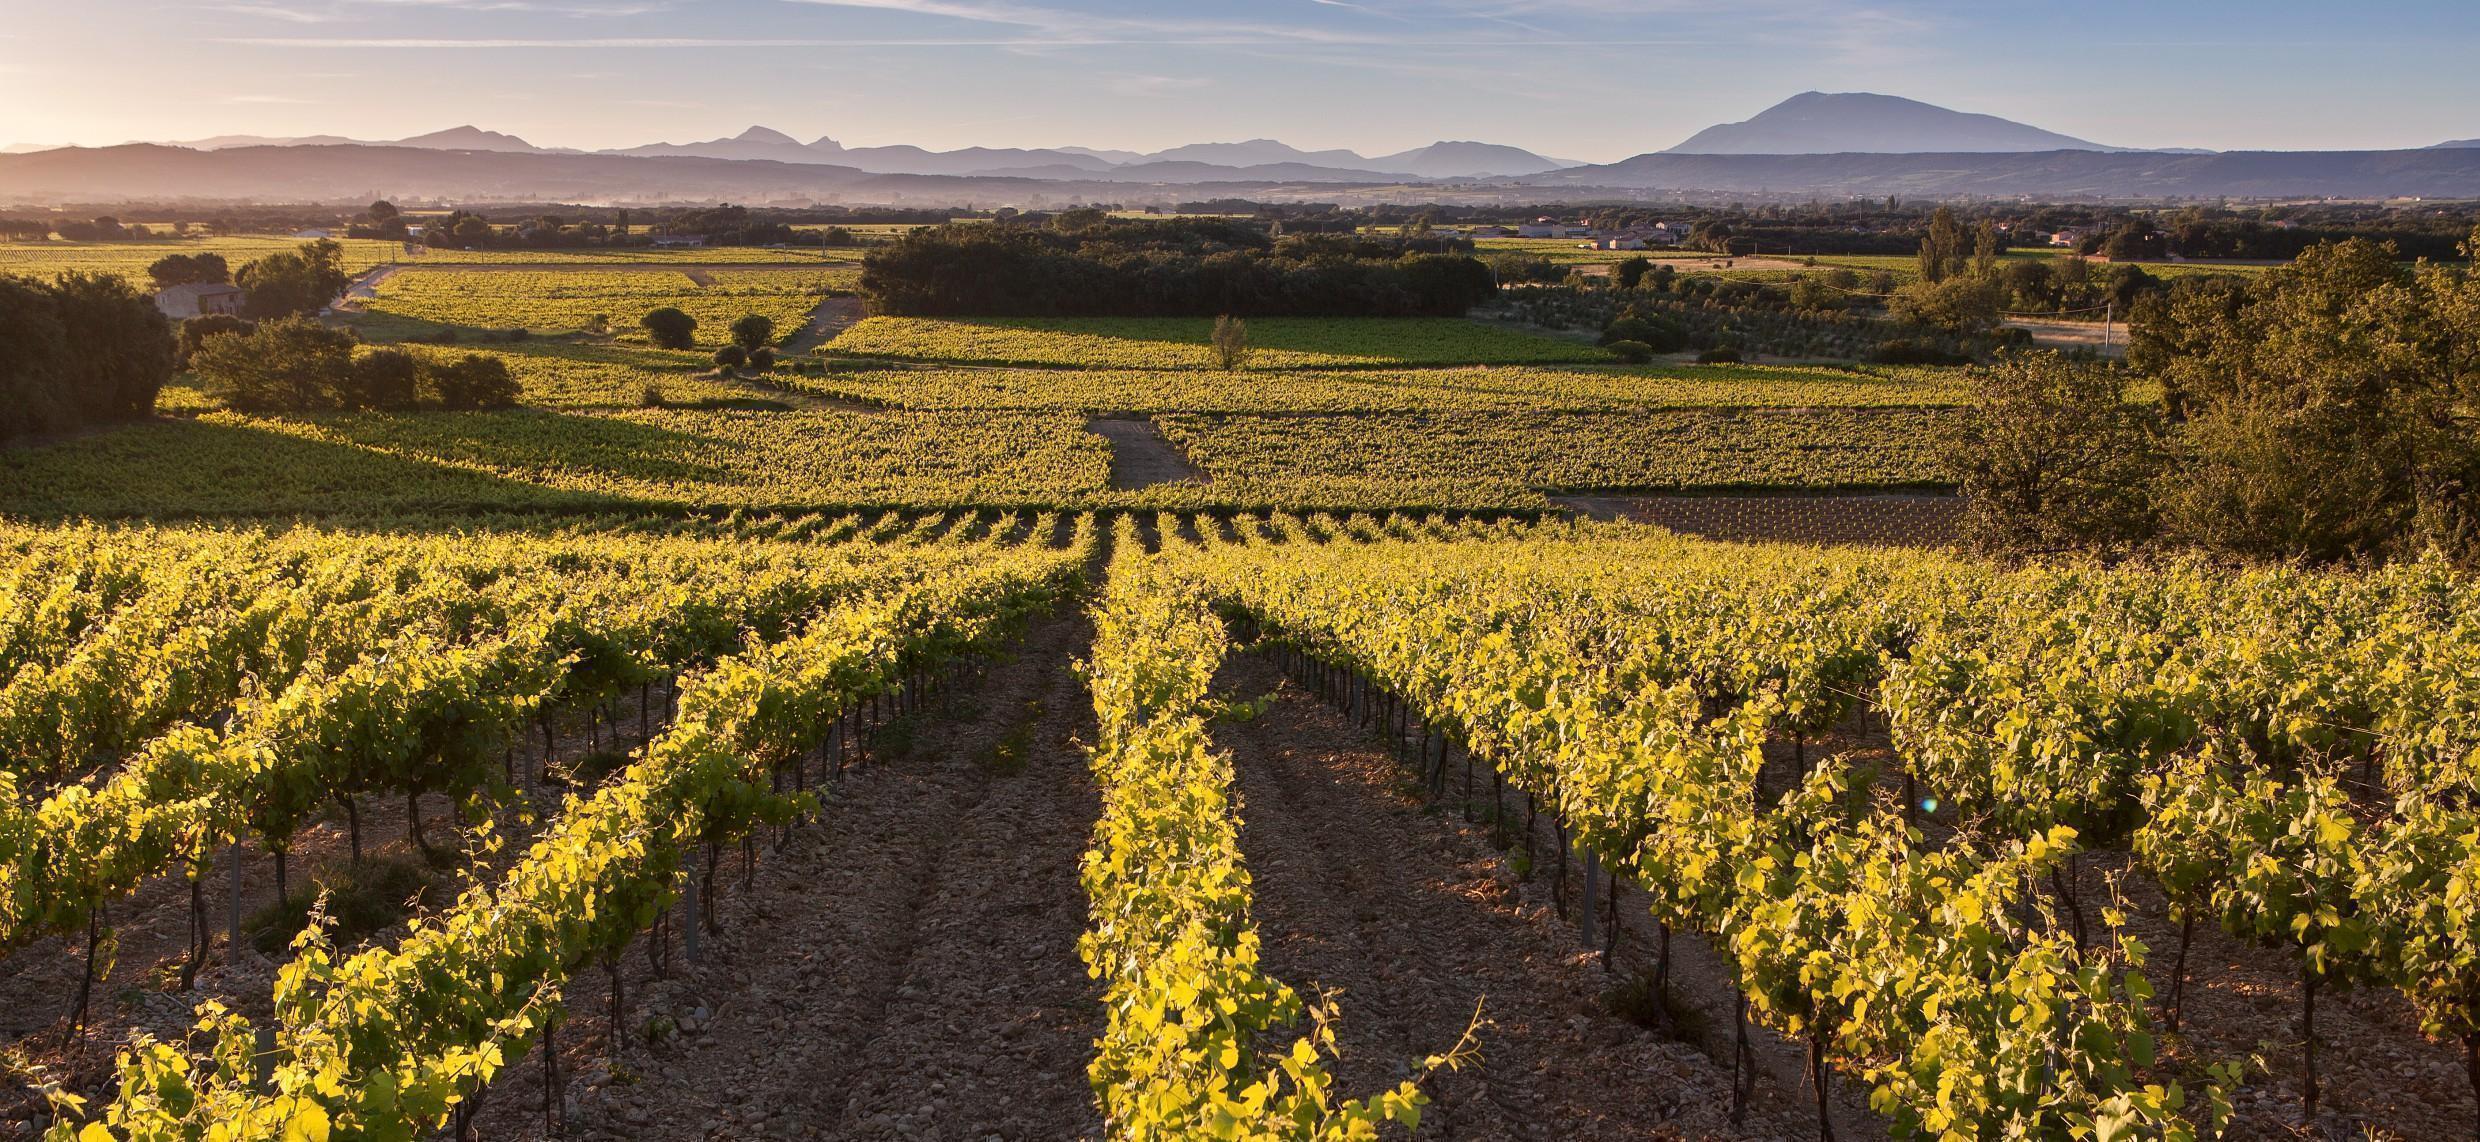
<point>223,463</point>
<point>130,259</point>
<point>1511,387</point>
<point>1186,343</point>
<point>426,303</point>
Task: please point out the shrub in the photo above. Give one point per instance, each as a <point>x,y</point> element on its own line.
<point>472,382</point>
<point>290,364</point>
<point>196,330</point>
<point>669,328</point>
<point>1630,352</point>
<point>731,357</point>
<point>1231,343</point>
<point>753,332</point>
<point>651,397</point>
<point>382,379</point>
<point>762,358</point>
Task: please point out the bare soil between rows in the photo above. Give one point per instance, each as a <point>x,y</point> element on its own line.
<point>904,967</point>
<point>1412,918</point>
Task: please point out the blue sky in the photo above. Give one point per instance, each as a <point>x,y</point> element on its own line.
<point>1595,80</point>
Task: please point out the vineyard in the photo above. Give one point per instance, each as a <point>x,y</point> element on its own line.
<point>429,304</point>
<point>1506,388</point>
<point>1980,852</point>
<point>1080,728</point>
<point>1183,343</point>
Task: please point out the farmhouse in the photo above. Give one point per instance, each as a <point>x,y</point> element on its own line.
<point>183,302</point>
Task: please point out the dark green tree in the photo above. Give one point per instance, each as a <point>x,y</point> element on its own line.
<point>670,328</point>
<point>753,332</point>
<point>287,365</point>
<point>2052,456</point>
<point>473,381</point>
<point>293,284</point>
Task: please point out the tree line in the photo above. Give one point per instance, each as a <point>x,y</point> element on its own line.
<point>1083,264</point>
<point>2320,412</point>
<point>79,350</point>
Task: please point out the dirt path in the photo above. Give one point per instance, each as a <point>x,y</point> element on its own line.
<point>367,287</point>
<point>905,968</point>
<point>1414,918</point>
<point>1141,456</point>
<point>2109,342</point>
<point>826,323</point>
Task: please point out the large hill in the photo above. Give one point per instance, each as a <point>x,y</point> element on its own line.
<point>1822,123</point>
<point>2434,173</point>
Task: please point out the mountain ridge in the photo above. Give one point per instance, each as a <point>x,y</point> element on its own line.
<point>1861,122</point>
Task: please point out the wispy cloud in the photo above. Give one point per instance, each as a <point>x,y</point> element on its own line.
<point>1141,85</point>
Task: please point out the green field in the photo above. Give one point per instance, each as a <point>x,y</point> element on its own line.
<point>1183,343</point>
<point>1461,389</point>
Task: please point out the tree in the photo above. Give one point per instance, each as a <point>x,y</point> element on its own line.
<point>669,328</point>
<point>731,357</point>
<point>753,332</point>
<point>287,365</point>
<point>472,382</point>
<point>2051,455</point>
<point>1231,343</point>
<point>2321,406</point>
<point>383,212</point>
<point>292,284</point>
<point>1957,305</point>
<point>1942,252</point>
<point>34,361</point>
<point>388,379</point>
<point>2135,241</point>
<point>189,269</point>
<point>121,347</point>
<point>762,358</point>
<point>195,331</point>
<point>1630,272</point>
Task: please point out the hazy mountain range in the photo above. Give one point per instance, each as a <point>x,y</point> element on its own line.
<point>1256,158</point>
<point>1813,144</point>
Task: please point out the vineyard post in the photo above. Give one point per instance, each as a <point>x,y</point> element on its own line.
<point>689,917</point>
<point>232,903</point>
<point>1592,881</point>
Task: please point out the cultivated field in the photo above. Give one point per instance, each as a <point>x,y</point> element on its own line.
<point>1027,728</point>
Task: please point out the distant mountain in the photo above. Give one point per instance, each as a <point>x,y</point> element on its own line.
<point>27,148</point>
<point>467,138</point>
<point>1819,123</point>
<point>1462,159</point>
<point>755,143</point>
<point>470,138</point>
<point>2054,175</point>
<point>469,165</point>
<point>1257,152</point>
<point>1108,156</point>
<point>1199,162</point>
<point>2456,145</point>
